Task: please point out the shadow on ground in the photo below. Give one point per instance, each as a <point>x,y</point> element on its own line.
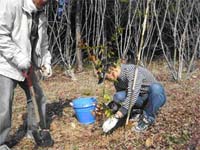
<point>53,109</point>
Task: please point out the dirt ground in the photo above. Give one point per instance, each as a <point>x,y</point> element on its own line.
<point>177,126</point>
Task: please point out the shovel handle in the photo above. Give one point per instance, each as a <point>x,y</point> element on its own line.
<point>27,75</point>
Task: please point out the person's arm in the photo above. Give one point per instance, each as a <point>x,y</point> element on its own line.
<point>45,53</point>
<point>8,48</point>
<point>111,122</point>
<point>132,95</point>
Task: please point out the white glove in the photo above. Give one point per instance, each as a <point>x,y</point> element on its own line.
<point>21,61</point>
<point>109,124</point>
<point>46,70</point>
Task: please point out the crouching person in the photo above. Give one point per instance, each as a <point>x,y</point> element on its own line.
<point>148,95</point>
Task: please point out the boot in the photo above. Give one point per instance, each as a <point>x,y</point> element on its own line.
<point>43,138</point>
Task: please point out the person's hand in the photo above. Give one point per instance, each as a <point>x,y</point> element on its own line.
<point>21,61</point>
<point>46,70</point>
<point>24,64</point>
<point>28,75</point>
<point>109,124</point>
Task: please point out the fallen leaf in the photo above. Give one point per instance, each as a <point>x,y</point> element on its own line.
<point>149,142</point>
<point>73,125</point>
<point>53,126</point>
<point>194,77</point>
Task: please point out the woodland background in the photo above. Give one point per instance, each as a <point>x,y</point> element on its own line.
<point>162,35</point>
<point>127,29</point>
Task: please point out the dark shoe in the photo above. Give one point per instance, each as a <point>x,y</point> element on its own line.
<point>136,114</point>
<point>143,123</point>
<point>43,138</point>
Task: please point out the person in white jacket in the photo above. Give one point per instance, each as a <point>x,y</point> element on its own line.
<point>17,53</point>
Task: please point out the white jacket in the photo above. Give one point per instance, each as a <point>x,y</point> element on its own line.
<point>15,28</point>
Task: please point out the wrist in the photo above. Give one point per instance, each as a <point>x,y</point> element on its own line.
<point>118,115</point>
<point>123,110</point>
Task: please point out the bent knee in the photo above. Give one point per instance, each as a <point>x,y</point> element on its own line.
<point>156,88</point>
<point>119,96</point>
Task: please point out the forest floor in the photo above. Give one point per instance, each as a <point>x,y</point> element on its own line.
<point>177,126</point>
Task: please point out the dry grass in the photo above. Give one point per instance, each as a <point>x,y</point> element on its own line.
<point>177,125</point>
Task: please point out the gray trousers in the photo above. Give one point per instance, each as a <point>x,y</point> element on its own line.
<point>7,87</point>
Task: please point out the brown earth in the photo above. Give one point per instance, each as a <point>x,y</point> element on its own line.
<point>177,126</point>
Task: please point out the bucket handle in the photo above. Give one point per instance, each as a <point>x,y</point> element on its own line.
<point>71,104</point>
<point>94,104</point>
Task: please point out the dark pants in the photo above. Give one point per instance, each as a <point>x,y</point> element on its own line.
<point>40,101</point>
<point>150,103</point>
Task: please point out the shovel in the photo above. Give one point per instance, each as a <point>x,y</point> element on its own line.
<point>42,137</point>
<point>28,77</point>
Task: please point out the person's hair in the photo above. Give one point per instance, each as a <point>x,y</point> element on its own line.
<point>114,64</point>
<point>105,67</point>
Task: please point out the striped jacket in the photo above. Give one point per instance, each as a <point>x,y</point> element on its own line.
<point>125,79</point>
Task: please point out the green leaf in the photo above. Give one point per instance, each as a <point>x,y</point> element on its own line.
<point>106,98</point>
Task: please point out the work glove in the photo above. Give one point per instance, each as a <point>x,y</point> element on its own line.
<point>109,124</point>
<point>21,61</point>
<point>113,106</point>
<point>46,70</point>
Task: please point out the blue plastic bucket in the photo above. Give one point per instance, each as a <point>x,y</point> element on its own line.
<point>84,108</point>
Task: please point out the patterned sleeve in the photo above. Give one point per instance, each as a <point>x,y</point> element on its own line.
<point>132,98</point>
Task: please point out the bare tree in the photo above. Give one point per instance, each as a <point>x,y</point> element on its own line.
<point>101,26</point>
<point>178,18</point>
<point>78,37</point>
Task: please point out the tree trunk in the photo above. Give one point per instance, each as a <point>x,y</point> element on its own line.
<point>78,38</point>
